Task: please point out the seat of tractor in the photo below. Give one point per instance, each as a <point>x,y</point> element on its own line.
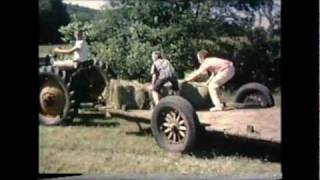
<point>81,65</point>
<point>85,64</point>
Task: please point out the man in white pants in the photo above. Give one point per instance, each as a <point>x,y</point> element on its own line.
<point>222,71</point>
<point>80,52</point>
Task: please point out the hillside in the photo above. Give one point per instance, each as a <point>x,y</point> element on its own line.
<point>80,13</point>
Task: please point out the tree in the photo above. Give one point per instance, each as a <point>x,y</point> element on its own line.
<point>52,15</point>
<point>126,35</point>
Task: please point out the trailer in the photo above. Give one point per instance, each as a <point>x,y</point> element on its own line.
<point>176,125</point>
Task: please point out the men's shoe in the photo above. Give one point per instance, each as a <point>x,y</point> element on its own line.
<point>216,109</point>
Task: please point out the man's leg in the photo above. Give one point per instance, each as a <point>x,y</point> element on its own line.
<point>220,95</point>
<point>156,97</point>
<point>214,95</point>
<point>175,85</point>
<point>156,90</point>
<point>66,64</point>
<point>215,83</point>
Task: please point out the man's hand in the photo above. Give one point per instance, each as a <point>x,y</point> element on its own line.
<point>193,76</point>
<point>188,79</point>
<point>56,50</point>
<point>150,87</point>
<point>207,83</point>
<point>184,81</point>
<point>202,84</point>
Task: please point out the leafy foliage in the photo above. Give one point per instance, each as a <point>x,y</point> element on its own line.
<point>52,15</point>
<point>125,36</point>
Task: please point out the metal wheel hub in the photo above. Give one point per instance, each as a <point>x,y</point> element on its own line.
<point>49,99</point>
<point>52,100</point>
<point>174,127</point>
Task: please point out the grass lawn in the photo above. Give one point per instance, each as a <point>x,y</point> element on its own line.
<point>114,146</point>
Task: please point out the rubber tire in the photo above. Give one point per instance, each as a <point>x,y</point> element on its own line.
<point>50,72</point>
<point>186,110</point>
<point>79,81</point>
<point>252,88</point>
<point>70,109</point>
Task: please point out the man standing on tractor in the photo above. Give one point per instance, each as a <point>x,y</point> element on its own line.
<point>162,72</point>
<point>80,52</point>
<point>221,70</point>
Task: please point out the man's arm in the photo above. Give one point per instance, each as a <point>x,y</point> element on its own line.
<point>65,51</point>
<point>193,75</point>
<point>202,70</point>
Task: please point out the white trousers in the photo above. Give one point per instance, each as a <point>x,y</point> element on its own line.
<point>216,81</point>
<point>66,64</point>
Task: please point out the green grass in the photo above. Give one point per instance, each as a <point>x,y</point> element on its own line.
<point>108,146</point>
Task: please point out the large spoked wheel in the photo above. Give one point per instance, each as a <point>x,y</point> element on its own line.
<point>54,100</point>
<point>254,94</point>
<point>174,124</point>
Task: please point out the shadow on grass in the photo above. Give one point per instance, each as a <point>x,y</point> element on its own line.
<point>214,144</point>
<point>141,132</point>
<point>210,145</point>
<point>90,123</point>
<point>93,123</point>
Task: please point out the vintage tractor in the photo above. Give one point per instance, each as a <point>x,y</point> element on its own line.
<point>61,92</point>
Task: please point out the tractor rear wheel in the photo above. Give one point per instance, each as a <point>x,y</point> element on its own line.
<point>56,103</point>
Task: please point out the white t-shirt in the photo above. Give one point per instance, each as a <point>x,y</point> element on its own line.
<point>82,52</point>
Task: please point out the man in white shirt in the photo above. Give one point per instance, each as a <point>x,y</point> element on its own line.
<point>80,52</point>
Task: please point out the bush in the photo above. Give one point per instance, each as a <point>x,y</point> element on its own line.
<point>125,37</point>
<point>52,15</point>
